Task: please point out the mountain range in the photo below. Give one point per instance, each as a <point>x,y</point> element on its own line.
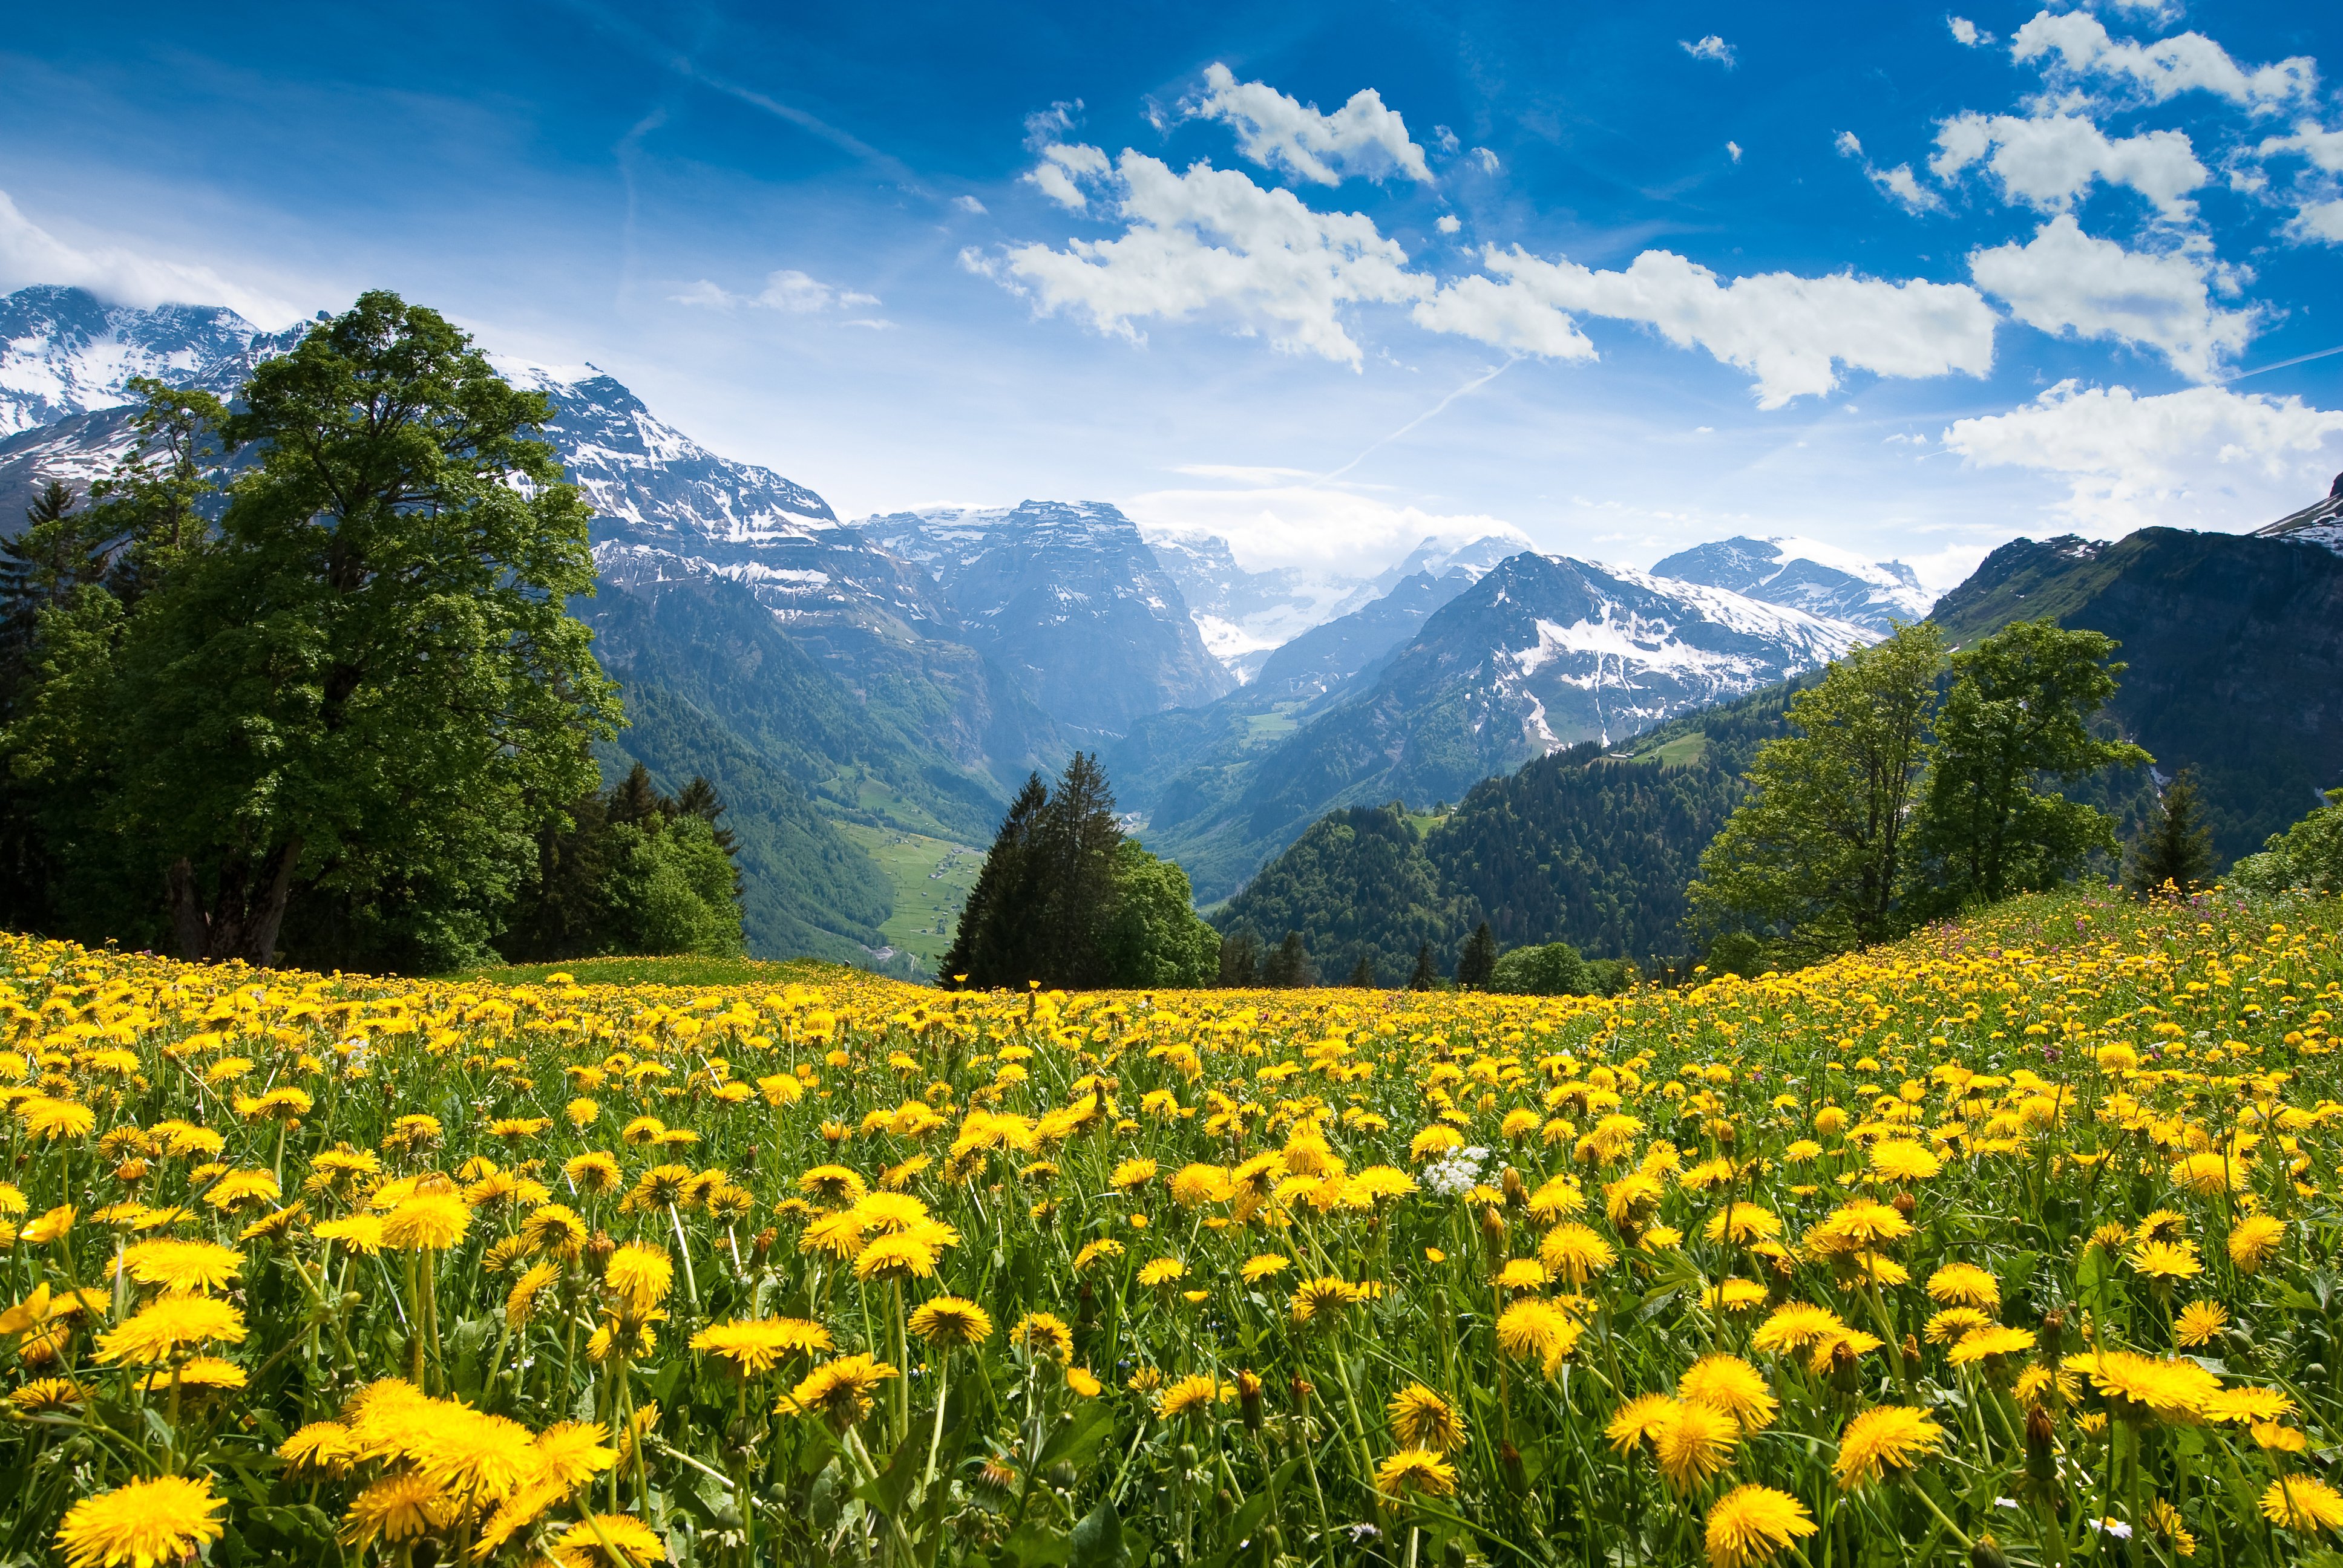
<point>867,693</point>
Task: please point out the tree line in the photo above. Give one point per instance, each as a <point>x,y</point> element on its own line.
<point>336,712</point>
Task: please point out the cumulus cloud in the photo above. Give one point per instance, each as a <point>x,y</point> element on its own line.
<point>2206,455</point>
<point>1211,239</point>
<point>1969,32</point>
<point>1486,159</point>
<point>1361,137</point>
<point>1448,223</point>
<point>1061,171</point>
<point>2049,160</point>
<point>968,203</point>
<point>2076,43</point>
<point>1792,334</point>
<point>787,290</point>
<point>2322,148</point>
<point>2319,221</point>
<point>2065,282</point>
<point>1711,48</point>
<point>30,254</point>
<point>1733,151</point>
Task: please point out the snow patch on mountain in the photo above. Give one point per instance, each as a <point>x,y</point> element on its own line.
<point>1821,579</point>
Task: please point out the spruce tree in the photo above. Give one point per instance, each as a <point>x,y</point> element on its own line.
<point>1288,965</point>
<point>1241,960</point>
<point>2177,847</point>
<point>1363,973</point>
<point>1425,977</point>
<point>981,952</point>
<point>1478,962</point>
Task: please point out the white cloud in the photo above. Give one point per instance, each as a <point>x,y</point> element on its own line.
<point>968,203</point>
<point>1361,137</point>
<point>2163,69</point>
<point>1899,184</point>
<point>2064,281</point>
<point>1792,334</point>
<point>2206,455</point>
<point>31,254</point>
<point>1062,170</point>
<point>1967,32</point>
<point>2049,160</point>
<point>1486,159</point>
<point>2319,220</point>
<point>1732,149</point>
<point>2322,148</point>
<point>1277,517</point>
<point>1448,223</point>
<point>1212,238</point>
<point>1043,127</point>
<point>1710,48</point>
<point>1445,139</point>
<point>787,290</point>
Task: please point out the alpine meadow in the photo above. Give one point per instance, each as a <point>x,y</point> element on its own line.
<point>1053,787</point>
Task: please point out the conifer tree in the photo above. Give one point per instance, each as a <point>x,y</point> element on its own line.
<point>1363,973</point>
<point>980,954</point>
<point>1241,960</point>
<point>1288,965</point>
<point>2177,847</point>
<point>1423,977</point>
<point>1478,962</point>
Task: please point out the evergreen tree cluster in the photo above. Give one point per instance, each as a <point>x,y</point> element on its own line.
<point>329,713</point>
<point>631,871</point>
<point>1065,900</point>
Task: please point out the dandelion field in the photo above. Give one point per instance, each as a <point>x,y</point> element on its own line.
<point>2014,1241</point>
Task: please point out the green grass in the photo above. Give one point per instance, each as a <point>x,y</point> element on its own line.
<point>1682,752</point>
<point>931,878</point>
<point>683,970</point>
<point>1262,728</point>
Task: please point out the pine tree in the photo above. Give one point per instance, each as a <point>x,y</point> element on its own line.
<point>1241,960</point>
<point>1288,965</point>
<point>2177,847</point>
<point>634,799</point>
<point>1363,973</point>
<point>1425,977</point>
<point>1478,962</point>
<point>980,954</point>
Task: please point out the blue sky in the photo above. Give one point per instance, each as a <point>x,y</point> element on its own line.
<point>1903,280</point>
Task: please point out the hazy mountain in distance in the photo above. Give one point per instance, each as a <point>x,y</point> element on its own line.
<point>1069,600</point>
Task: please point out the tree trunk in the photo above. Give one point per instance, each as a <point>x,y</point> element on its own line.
<point>247,909</point>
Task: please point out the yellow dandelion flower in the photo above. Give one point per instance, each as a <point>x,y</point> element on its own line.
<point>1422,1418</point>
<point>1415,1469</point>
<point>142,1524</point>
<point>1751,1525</point>
<point>1886,1441</point>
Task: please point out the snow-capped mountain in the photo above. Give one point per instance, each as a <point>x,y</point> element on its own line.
<point>1070,598</point>
<point>1245,615</point>
<point>2319,523</point>
<point>1540,653</point>
<point>1803,574</point>
<point>63,352</point>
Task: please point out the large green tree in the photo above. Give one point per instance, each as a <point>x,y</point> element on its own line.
<point>2015,728</point>
<point>1816,856</point>
<point>1064,899</point>
<point>359,695</point>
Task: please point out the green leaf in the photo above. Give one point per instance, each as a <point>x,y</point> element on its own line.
<point>1097,1540</point>
<point>1248,1519</point>
<point>1037,1545</point>
<point>887,1490</point>
<point>1075,1441</point>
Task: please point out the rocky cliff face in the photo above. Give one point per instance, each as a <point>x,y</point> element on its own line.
<point>2234,653</point>
<point>1070,599</point>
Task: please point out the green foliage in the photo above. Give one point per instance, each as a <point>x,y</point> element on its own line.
<point>1289,964</point>
<point>1153,939</point>
<point>1817,853</point>
<point>2307,855</point>
<point>1360,889</point>
<point>1064,899</point>
<point>632,870</point>
<point>2018,716</point>
<point>1478,962</point>
<point>1548,969</point>
<point>1737,953</point>
<point>355,698</point>
<point>2177,847</point>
